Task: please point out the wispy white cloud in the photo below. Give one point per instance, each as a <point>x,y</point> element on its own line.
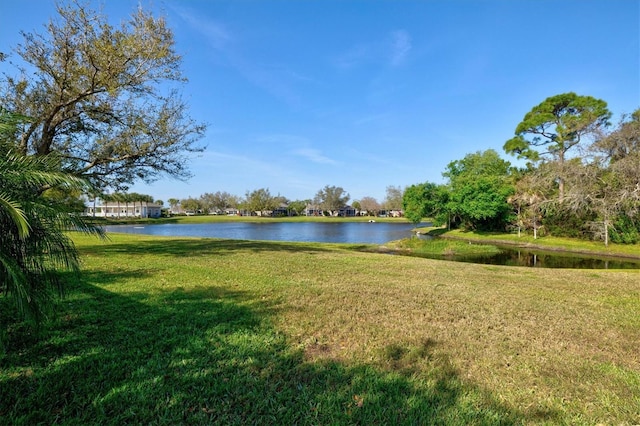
<point>368,158</point>
<point>272,172</point>
<point>392,50</point>
<point>216,33</point>
<point>314,155</point>
<point>369,119</point>
<point>276,79</point>
<point>354,56</point>
<point>282,139</point>
<point>238,162</point>
<point>400,46</point>
<point>298,146</point>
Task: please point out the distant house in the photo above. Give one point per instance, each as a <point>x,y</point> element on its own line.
<point>346,211</point>
<point>176,209</point>
<point>281,210</point>
<point>312,210</point>
<point>123,210</point>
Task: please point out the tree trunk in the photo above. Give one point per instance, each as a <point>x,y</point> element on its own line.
<point>560,189</point>
<point>560,178</point>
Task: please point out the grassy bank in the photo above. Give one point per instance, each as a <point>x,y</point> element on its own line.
<point>543,243</point>
<point>440,247</point>
<point>197,331</point>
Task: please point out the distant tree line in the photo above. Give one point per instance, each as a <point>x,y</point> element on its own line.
<point>327,201</point>
<point>581,179</point>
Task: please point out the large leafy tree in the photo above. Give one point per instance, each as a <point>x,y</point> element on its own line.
<point>34,245</point>
<point>104,99</point>
<point>370,205</point>
<point>331,198</point>
<point>191,205</point>
<point>555,126</point>
<point>209,202</point>
<point>260,200</point>
<point>393,198</point>
<point>480,185</point>
<point>298,206</point>
<point>425,200</point>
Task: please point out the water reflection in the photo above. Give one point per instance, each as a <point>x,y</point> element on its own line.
<point>321,232</point>
<point>368,233</point>
<point>510,256</point>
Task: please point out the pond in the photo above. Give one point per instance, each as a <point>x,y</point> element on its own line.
<point>320,232</point>
<point>367,233</point>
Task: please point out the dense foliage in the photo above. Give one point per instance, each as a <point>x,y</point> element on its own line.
<point>103,99</point>
<point>479,187</point>
<point>557,125</point>
<point>331,198</point>
<point>593,194</point>
<point>103,111</point>
<point>34,246</point>
<point>426,200</point>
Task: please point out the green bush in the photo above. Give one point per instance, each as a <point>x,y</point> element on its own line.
<point>625,230</point>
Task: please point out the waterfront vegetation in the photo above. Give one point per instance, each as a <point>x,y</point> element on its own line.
<point>550,243</point>
<point>194,331</point>
<point>483,240</point>
<point>445,247</point>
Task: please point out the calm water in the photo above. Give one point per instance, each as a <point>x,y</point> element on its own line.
<point>511,256</point>
<point>321,232</point>
<point>366,233</point>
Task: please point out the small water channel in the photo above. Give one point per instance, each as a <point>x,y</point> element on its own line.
<point>514,256</point>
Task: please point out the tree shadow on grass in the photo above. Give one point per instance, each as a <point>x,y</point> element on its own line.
<point>210,356</point>
<point>194,247</point>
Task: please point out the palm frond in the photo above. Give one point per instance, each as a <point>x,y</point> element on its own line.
<point>34,244</point>
<point>13,210</point>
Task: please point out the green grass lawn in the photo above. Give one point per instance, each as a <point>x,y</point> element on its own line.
<point>203,331</point>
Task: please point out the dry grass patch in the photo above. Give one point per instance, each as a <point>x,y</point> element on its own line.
<point>540,339</point>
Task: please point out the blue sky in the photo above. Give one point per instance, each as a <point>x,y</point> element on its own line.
<point>368,94</point>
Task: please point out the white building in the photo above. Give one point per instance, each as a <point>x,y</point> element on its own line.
<point>123,210</point>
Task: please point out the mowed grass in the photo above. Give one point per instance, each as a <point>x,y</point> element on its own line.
<point>201,331</point>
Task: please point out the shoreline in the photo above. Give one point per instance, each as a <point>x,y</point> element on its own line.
<point>537,246</point>
<point>560,245</point>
